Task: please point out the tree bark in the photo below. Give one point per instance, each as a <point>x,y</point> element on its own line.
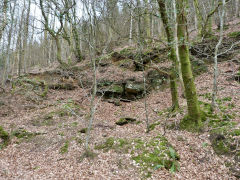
<point>4,18</point>
<point>214,93</point>
<point>194,114</point>
<point>172,56</point>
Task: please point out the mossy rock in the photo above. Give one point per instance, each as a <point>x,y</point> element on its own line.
<point>134,88</point>
<point>123,121</point>
<point>103,83</point>
<point>155,79</point>
<point>62,86</point>
<point>112,91</point>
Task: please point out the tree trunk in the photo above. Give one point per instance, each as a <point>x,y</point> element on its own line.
<point>147,20</point>
<point>4,18</point>
<point>194,114</point>
<point>172,56</point>
<point>26,26</point>
<point>8,64</point>
<point>199,17</point>
<point>237,8</point>
<point>59,50</point>
<point>214,94</point>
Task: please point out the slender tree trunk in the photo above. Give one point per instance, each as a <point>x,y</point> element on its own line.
<point>214,94</point>
<point>172,56</point>
<point>92,52</point>
<point>237,8</point>
<point>179,71</point>
<point>59,50</point>
<point>147,19</point>
<point>194,114</point>
<point>25,38</point>
<point>3,24</point>
<point>8,64</point>
<point>19,43</point>
<point>140,49</point>
<point>199,17</point>
<point>131,25</point>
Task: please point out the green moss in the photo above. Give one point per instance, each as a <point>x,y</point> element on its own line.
<point>149,155</point>
<point>220,147</point>
<point>234,34</point>
<point>227,117</point>
<point>64,148</point>
<point>152,126</point>
<point>117,89</point>
<point>24,134</point>
<point>187,124</point>
<point>46,120</point>
<point>74,124</point>
<point>157,153</point>
<point>107,145</point>
<point>4,136</point>
<point>123,121</point>
<point>126,52</point>
<point>235,132</point>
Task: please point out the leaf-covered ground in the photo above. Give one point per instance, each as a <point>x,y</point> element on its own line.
<point>56,151</point>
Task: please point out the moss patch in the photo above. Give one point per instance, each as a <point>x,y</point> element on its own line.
<point>5,137</point>
<point>64,148</point>
<point>148,155</point>
<point>24,134</point>
<point>188,124</point>
<point>234,34</point>
<point>123,121</point>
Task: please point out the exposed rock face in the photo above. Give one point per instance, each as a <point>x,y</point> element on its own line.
<point>155,79</point>
<point>134,88</point>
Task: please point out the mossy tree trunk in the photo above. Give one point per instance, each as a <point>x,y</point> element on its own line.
<point>172,56</point>
<point>59,50</point>
<point>194,114</point>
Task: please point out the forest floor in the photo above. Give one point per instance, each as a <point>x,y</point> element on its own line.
<point>53,146</point>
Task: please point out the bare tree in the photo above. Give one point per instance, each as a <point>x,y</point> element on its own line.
<point>214,93</point>
<point>3,22</point>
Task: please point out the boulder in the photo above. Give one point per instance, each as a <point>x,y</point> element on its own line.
<point>135,88</point>
<point>112,91</point>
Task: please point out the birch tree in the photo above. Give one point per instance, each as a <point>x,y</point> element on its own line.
<point>214,93</point>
